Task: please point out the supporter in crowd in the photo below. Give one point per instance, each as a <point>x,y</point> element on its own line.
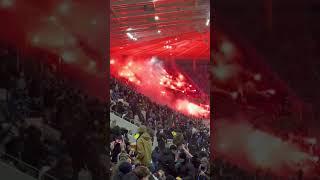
<point>162,140</point>
<point>144,147</point>
<point>204,170</point>
<point>185,169</point>
<point>174,153</point>
<point>155,157</point>
<point>139,173</point>
<point>167,160</point>
<point>123,169</point>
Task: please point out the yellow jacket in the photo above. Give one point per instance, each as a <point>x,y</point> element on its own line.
<point>144,149</point>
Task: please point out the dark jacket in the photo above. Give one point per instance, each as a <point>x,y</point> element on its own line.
<point>155,156</point>
<point>131,176</point>
<point>122,169</point>
<point>186,171</point>
<point>161,138</point>
<point>167,162</point>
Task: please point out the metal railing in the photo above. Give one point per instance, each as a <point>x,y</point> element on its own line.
<point>124,117</point>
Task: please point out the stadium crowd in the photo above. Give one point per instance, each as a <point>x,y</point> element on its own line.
<point>49,129</point>
<point>168,145</point>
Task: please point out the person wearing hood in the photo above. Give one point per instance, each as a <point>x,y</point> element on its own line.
<point>144,147</point>
<point>123,169</point>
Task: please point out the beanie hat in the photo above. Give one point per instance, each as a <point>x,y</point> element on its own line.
<point>125,167</point>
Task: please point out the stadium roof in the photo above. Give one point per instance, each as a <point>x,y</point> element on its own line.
<point>165,28</point>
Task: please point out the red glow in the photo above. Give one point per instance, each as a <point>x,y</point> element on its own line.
<point>152,79</point>
<point>191,45</point>
<point>191,108</point>
<point>160,83</point>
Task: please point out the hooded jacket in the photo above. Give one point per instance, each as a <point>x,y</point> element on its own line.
<point>167,162</point>
<point>144,147</point>
<point>186,170</point>
<point>121,170</point>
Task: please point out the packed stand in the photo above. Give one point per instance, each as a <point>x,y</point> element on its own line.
<point>182,149</point>
<point>55,129</point>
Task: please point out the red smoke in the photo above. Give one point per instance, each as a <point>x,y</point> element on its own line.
<point>153,79</point>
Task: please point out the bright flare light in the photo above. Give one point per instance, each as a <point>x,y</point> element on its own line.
<point>168,47</point>
<point>150,78</point>
<point>191,108</point>
<point>131,36</point>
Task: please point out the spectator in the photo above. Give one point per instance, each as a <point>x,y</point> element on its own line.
<point>115,149</point>
<point>167,162</point>
<point>123,169</point>
<point>170,177</point>
<point>144,147</point>
<point>185,169</point>
<point>155,157</point>
<point>120,108</point>
<point>139,173</point>
<point>161,138</point>
<point>163,158</point>
<point>178,139</point>
<point>204,170</point>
